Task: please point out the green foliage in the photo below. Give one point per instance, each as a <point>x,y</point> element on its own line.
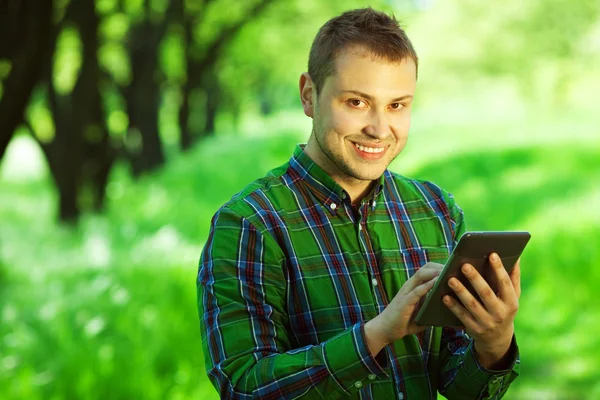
<point>544,46</point>
<point>91,327</point>
<point>114,26</point>
<point>105,6</point>
<point>5,67</point>
<point>41,118</point>
<point>172,56</point>
<point>67,61</point>
<point>188,192</point>
<point>135,9</point>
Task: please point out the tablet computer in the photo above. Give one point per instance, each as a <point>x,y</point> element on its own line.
<point>473,248</point>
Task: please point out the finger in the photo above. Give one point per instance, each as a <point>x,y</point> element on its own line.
<point>483,289</point>
<point>414,328</point>
<point>421,276</point>
<point>505,286</point>
<point>428,272</point>
<point>417,293</point>
<point>461,313</point>
<point>515,277</point>
<point>469,301</point>
<point>433,265</point>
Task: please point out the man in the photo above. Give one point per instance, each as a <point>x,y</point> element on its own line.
<point>311,276</point>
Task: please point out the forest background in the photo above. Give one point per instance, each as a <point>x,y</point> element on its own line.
<point>125,124</point>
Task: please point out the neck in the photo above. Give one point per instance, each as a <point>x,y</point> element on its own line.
<point>358,195</point>
<point>358,189</point>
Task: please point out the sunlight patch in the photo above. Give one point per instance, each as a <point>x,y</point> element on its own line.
<point>162,245</point>
<point>523,178</point>
<point>582,212</point>
<point>95,326</point>
<point>471,189</point>
<point>98,251</point>
<point>23,160</point>
<point>578,367</point>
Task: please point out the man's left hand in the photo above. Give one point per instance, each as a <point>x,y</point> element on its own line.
<point>491,324</point>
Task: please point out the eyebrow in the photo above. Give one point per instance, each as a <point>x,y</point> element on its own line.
<point>370,98</point>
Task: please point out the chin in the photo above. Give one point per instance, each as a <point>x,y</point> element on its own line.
<point>368,175</point>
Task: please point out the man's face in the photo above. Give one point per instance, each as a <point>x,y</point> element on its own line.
<point>361,117</point>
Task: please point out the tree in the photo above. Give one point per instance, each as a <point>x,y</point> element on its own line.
<point>83,144</point>
<point>25,28</point>
<point>201,62</point>
<point>143,93</point>
<point>79,156</point>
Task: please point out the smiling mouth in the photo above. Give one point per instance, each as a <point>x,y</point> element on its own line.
<point>369,149</point>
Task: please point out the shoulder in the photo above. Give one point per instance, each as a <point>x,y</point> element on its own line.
<point>423,197</point>
<point>417,189</point>
<point>259,198</point>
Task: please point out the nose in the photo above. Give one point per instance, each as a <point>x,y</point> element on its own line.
<point>377,127</point>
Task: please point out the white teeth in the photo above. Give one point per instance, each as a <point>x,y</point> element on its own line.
<point>369,149</point>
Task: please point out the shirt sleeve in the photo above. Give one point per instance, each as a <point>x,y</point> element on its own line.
<point>461,376</point>
<point>245,329</point>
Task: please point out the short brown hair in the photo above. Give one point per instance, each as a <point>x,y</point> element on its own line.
<point>378,32</point>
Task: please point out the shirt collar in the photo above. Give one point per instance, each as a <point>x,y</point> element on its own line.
<point>328,191</point>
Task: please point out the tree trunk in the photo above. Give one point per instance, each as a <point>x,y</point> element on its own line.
<point>143,100</point>
<point>98,154</point>
<point>25,30</point>
<point>63,155</point>
<point>201,75</point>
<point>186,140</point>
<point>62,160</point>
<point>213,95</point>
<point>80,154</point>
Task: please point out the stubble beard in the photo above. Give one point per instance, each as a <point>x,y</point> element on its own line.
<point>349,174</point>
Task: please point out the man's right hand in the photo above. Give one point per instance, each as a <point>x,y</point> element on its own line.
<point>397,320</point>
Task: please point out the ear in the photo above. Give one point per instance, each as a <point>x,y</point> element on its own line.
<point>307,89</point>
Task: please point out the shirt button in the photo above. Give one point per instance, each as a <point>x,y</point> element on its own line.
<point>358,384</point>
<point>401,396</point>
<point>360,227</point>
<point>374,203</point>
<point>333,206</point>
<point>372,377</point>
<point>374,282</point>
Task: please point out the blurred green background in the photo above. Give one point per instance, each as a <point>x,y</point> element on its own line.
<point>125,124</point>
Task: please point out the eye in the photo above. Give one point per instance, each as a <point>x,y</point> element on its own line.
<point>396,106</point>
<point>357,103</point>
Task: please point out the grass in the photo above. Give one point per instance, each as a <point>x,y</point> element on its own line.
<point>108,310</point>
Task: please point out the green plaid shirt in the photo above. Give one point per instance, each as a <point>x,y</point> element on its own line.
<point>291,272</point>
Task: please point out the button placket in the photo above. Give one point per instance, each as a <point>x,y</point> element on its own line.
<point>364,238</point>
